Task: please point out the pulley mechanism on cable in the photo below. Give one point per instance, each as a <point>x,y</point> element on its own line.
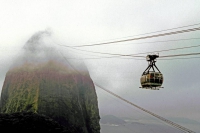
<point>151,79</point>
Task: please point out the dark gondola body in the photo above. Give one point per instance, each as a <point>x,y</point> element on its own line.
<point>151,79</point>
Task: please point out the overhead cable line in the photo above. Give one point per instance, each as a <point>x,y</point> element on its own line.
<point>130,58</point>
<point>181,58</point>
<point>169,49</point>
<point>167,56</point>
<point>135,55</point>
<point>164,41</point>
<point>169,29</point>
<point>164,30</point>
<point>158,31</point>
<point>151,113</point>
<point>141,38</point>
<point>185,39</point>
<point>96,52</point>
<point>129,113</point>
<point>132,55</point>
<point>189,54</point>
<point>104,58</point>
<point>99,57</point>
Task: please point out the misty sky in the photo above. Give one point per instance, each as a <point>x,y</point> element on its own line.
<point>78,22</point>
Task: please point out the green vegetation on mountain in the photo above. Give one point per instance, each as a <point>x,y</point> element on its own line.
<point>55,90</point>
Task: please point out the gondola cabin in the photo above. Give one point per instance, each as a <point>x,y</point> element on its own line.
<point>151,79</point>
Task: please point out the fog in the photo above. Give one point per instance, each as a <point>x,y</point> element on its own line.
<point>56,25</point>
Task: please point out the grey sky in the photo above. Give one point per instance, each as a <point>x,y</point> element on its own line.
<point>90,21</point>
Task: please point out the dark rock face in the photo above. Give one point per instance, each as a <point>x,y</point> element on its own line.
<point>28,122</point>
<point>54,90</point>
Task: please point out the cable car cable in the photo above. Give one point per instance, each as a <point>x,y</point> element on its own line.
<point>181,58</point>
<point>186,39</point>
<point>127,54</point>
<point>183,39</point>
<point>144,37</point>
<point>128,58</point>
<point>97,52</point>
<point>151,113</point>
<point>179,55</point>
<point>168,56</point>
<point>169,49</point>
<point>136,110</point>
<point>154,32</point>
<point>170,33</point>
<point>134,55</point>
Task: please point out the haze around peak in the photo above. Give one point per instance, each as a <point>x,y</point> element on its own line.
<point>41,48</point>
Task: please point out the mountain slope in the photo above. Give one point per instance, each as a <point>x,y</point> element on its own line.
<point>53,90</point>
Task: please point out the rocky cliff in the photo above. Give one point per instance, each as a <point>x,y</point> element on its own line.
<point>29,122</point>
<point>52,88</point>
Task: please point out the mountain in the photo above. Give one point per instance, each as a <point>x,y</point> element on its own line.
<point>43,82</point>
<point>51,89</point>
<point>111,119</point>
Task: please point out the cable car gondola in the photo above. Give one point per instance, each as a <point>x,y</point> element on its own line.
<point>151,79</point>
